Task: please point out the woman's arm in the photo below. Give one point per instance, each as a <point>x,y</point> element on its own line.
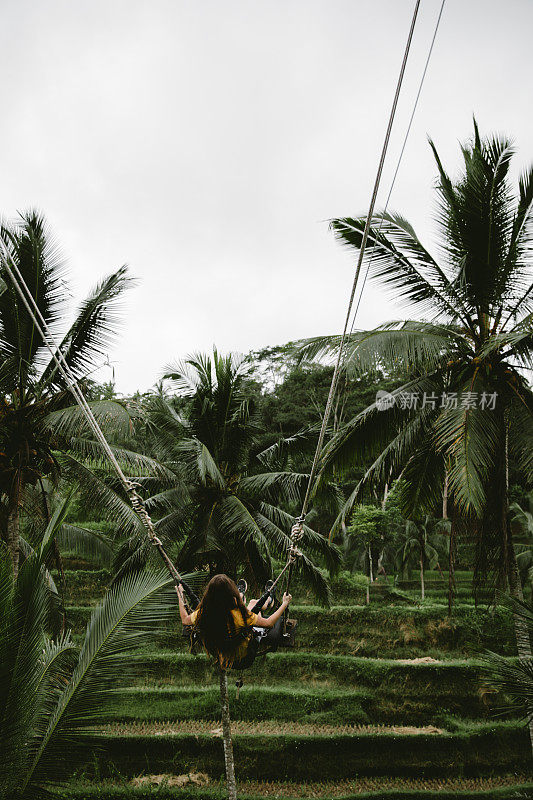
<point>185,618</point>
<point>269,622</point>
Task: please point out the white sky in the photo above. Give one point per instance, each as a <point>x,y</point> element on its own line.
<point>205,144</point>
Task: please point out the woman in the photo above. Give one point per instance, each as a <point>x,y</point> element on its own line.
<point>225,624</point>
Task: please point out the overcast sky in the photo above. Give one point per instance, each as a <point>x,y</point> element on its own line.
<point>206,144</point>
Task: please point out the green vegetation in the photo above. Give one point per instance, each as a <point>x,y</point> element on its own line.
<point>419,513</point>
<point>359,789</point>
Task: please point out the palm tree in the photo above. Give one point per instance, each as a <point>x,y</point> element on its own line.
<point>40,430</point>
<point>52,693</point>
<point>465,408</point>
<point>418,542</point>
<point>225,507</point>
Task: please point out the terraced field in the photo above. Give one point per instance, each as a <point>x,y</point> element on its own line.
<point>386,700</point>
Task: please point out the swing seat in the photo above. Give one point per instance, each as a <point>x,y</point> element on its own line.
<point>288,639</point>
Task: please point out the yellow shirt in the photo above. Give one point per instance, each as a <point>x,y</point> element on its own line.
<point>240,651</point>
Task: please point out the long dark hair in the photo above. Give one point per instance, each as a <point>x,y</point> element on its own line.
<point>215,621</point>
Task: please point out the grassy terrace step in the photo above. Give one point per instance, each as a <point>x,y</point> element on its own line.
<point>85,584</point>
<point>426,697</point>
<point>268,727</point>
<point>317,758</point>
<point>498,788</point>
<point>254,703</point>
<point>315,669</point>
<point>388,632</point>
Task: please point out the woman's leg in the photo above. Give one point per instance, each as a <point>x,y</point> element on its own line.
<point>273,635</point>
<point>255,605</point>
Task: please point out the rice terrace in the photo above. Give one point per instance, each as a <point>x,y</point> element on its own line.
<point>250,569</point>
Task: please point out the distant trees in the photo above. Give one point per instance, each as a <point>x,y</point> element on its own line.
<point>366,539</point>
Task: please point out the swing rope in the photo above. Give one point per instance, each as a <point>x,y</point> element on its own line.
<point>131,488</point>
<point>297,530</point>
<point>375,238</point>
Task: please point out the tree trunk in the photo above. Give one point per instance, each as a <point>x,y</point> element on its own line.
<point>226,734</point>
<point>451,569</point>
<point>13,523</point>
<point>422,587</point>
<point>445,497</point>
<point>523,639</point>
<point>370,578</point>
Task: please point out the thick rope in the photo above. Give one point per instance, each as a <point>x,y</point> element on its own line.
<point>393,182</point>
<point>44,331</point>
<point>340,358</point>
<point>400,158</point>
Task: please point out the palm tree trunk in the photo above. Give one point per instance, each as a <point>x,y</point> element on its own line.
<point>523,639</point>
<point>451,569</point>
<point>226,735</point>
<point>370,578</point>
<point>13,523</point>
<point>422,586</point>
<point>445,497</point>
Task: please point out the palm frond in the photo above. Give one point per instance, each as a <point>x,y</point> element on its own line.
<point>275,486</point>
<point>95,492</point>
<point>131,461</point>
<point>312,541</point>
<point>400,262</point>
<point>85,543</point>
<point>469,438</point>
<point>24,617</point>
<point>127,617</point>
<point>115,417</point>
<point>29,245</point>
<point>377,427</point>
<point>93,332</point>
<point>235,522</point>
<point>397,346</point>
<point>198,460</point>
<point>277,455</point>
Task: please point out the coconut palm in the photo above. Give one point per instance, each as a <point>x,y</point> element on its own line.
<point>52,693</point>
<point>465,408</point>
<point>417,542</point>
<point>227,510</point>
<point>40,430</point>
